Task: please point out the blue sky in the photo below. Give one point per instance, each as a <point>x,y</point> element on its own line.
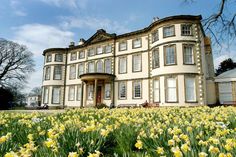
<point>41,24</point>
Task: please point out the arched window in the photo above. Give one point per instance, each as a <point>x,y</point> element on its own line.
<point>99,66</point>
<point>108,66</point>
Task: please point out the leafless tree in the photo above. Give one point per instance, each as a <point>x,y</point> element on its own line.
<point>16,63</point>
<point>221,24</point>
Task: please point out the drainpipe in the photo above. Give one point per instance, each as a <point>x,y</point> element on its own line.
<point>64,94</point>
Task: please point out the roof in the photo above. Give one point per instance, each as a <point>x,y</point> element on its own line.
<point>101,35</point>
<point>227,76</point>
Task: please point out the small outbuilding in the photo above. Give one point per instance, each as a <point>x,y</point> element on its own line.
<point>226,83</point>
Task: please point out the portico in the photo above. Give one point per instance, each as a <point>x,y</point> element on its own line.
<point>95,85</point>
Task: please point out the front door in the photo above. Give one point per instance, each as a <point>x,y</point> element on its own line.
<point>99,94</point>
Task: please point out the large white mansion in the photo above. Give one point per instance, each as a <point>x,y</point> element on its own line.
<point>169,63</point>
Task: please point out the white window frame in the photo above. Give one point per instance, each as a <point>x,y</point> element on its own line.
<point>107,91</point>
<point>189,89</point>
<point>79,90</point>
<point>155,36</point>
<point>174,88</point>
<point>45,95</point>
<point>72,74</point>
<point>91,52</point>
<point>156,90</point>
<point>122,95</point>
<point>71,93</point>
<point>57,72</point>
<point>108,49</point>
<point>137,90</point>
<point>122,65</point>
<point>108,66</point>
<point>137,43</point>
<point>80,69</point>
<point>185,47</point>
<point>48,58</point>
<point>155,58</point>
<point>47,73</point>
<point>99,50</point>
<point>99,66</point>
<point>91,67</point>
<point>73,56</point>
<point>123,46</point>
<point>58,57</point>
<point>166,53</point>
<point>137,63</point>
<point>168,31</point>
<point>81,54</point>
<point>184,31</point>
<point>56,94</point>
<point>90,91</point>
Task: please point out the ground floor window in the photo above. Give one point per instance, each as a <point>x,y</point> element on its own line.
<point>156,90</point>
<point>71,96</point>
<point>90,92</point>
<point>137,89</point>
<point>190,89</point>
<point>171,90</point>
<point>45,95</point>
<point>122,90</point>
<point>225,92</point>
<point>56,91</point>
<point>79,92</point>
<point>107,91</point>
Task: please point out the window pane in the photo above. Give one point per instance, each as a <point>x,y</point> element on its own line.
<point>107,91</point>
<point>171,90</point>
<point>155,36</point>
<point>156,91</point>
<point>108,66</point>
<point>72,93</point>
<point>90,92</point>
<point>188,54</point>
<point>99,50</point>
<point>99,67</point>
<point>57,72</point>
<point>58,57</point>
<point>56,95</point>
<point>137,89</point>
<point>79,92</point>
<point>108,48</point>
<point>72,72</point>
<point>137,63</point>
<point>49,58</point>
<point>190,91</point>
<point>91,67</point>
<point>136,43</point>
<point>91,52</point>
<point>170,54</point>
<point>122,46</point>
<point>45,98</point>
<point>168,31</point>
<point>47,73</point>
<point>81,54</point>
<point>155,58</point>
<point>122,90</point>
<point>73,56</point>
<point>122,65</point>
<point>80,69</point>
<point>186,29</point>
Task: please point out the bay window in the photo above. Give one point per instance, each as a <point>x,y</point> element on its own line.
<point>168,31</point>
<point>56,91</point>
<point>155,58</point>
<point>190,89</point>
<point>171,89</point>
<point>156,90</point>
<point>47,73</point>
<point>188,54</point>
<point>170,55</point>
<point>45,95</point>
<point>57,72</point>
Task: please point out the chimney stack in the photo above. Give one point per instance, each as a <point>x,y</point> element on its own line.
<point>81,41</point>
<point>72,44</point>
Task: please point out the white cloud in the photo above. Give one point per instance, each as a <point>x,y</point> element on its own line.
<point>67,3</point>
<point>17,8</point>
<point>94,23</point>
<point>38,37</point>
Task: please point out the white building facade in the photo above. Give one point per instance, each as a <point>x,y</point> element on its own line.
<point>168,63</point>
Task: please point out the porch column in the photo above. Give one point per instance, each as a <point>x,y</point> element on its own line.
<point>82,95</point>
<point>95,93</point>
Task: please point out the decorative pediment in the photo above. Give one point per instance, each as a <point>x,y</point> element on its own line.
<point>100,35</point>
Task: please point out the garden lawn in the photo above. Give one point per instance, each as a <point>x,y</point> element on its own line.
<point>188,132</point>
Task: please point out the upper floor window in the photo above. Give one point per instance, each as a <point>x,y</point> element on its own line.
<point>122,90</point>
<point>81,54</point>
<point>137,63</point>
<point>56,92</point>
<point>72,72</point>
<point>137,43</point>
<point>107,91</point>
<point>99,66</point>
<point>47,73</point>
<point>186,29</point>
<point>49,58</point>
<point>171,92</point>
<point>57,72</point>
<point>80,69</point>
<point>108,66</point>
<point>188,54</point>
<point>91,67</point>
<point>71,93</point>
<point>91,52</point>
<point>170,55</point>
<point>99,50</point>
<point>108,49</point>
<point>168,31</point>
<point>123,46</point>
<point>190,89</point>
<point>73,56</point>
<point>58,57</point>
<point>155,58</point>
<point>137,89</point>
<point>122,65</point>
<point>155,36</point>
